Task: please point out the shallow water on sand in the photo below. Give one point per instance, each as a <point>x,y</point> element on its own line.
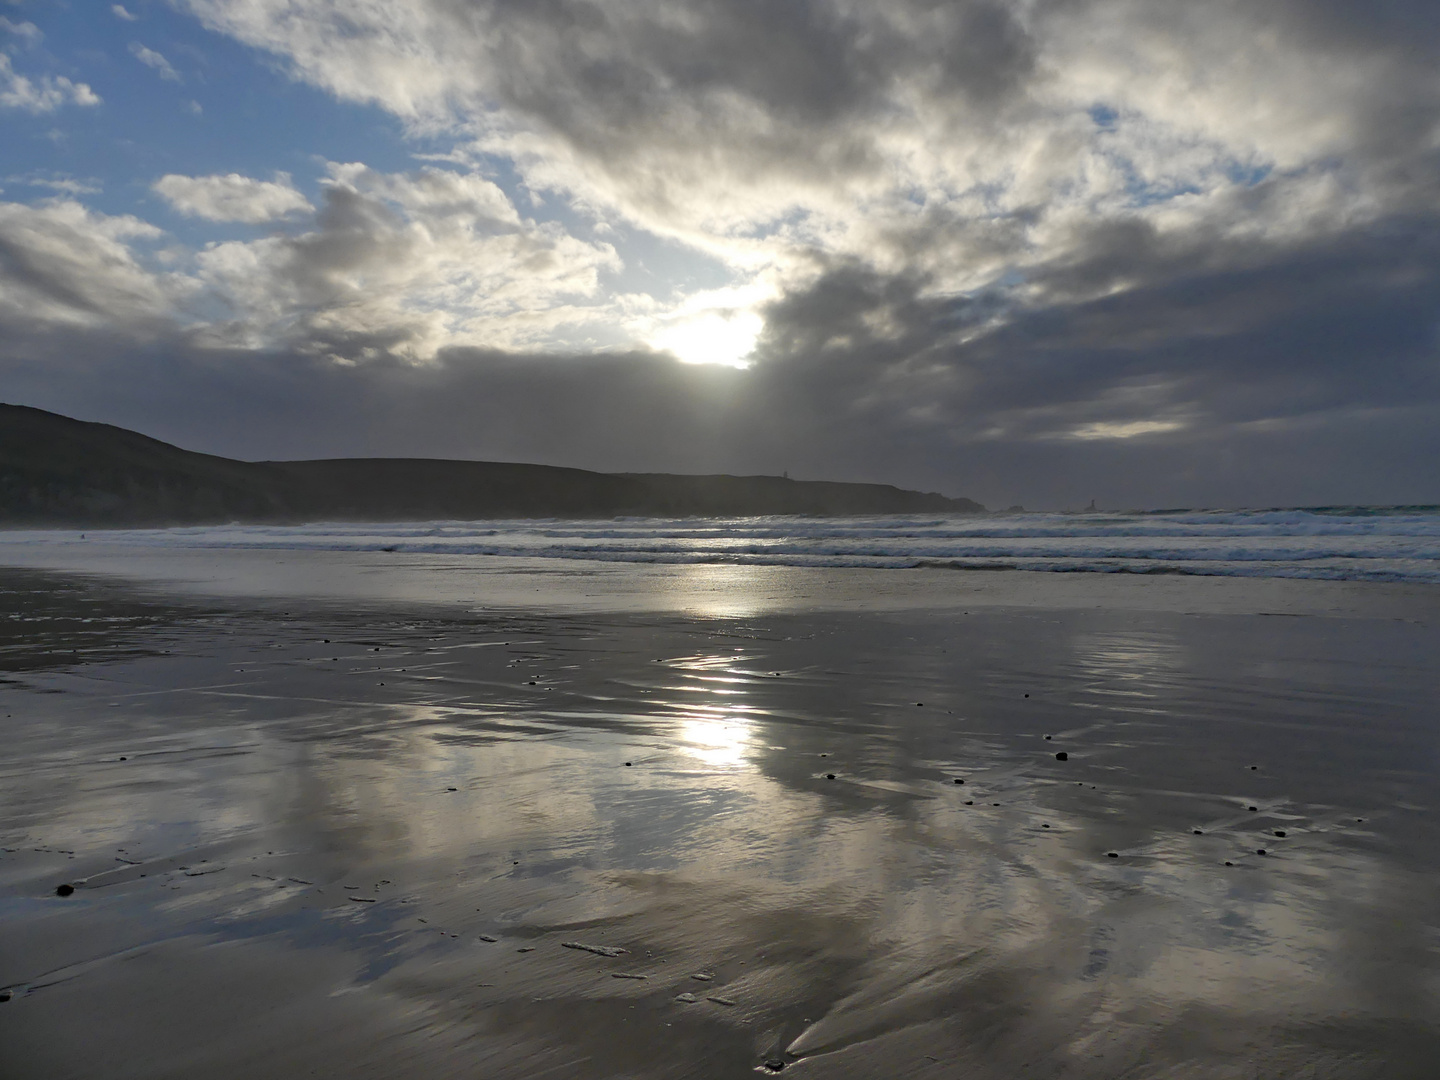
<point>349,841</point>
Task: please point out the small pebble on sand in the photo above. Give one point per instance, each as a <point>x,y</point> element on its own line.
<point>687,999</point>
<point>64,890</point>
<point>1062,756</point>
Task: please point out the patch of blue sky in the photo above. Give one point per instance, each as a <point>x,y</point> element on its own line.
<point>252,119</point>
<point>1247,173</point>
<point>1106,118</point>
<point>660,267</point>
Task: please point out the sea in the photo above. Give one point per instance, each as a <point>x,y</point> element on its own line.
<point>1344,543</point>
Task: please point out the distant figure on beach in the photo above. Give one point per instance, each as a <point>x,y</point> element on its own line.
<point>1091,509</point>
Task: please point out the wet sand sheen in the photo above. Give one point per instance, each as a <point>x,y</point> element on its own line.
<point>366,841</point>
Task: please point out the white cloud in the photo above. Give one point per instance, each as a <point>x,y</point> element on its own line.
<point>58,182</point>
<point>118,10</point>
<point>232,197</point>
<point>152,59</point>
<point>68,265</point>
<point>27,32</point>
<point>406,265</point>
<point>40,96</point>
<point>390,265</point>
<point>1124,429</point>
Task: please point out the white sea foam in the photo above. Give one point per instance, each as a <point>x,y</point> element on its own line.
<point>1343,543</point>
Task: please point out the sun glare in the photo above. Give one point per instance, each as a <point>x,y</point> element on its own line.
<point>711,337</point>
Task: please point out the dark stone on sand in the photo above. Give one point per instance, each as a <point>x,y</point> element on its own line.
<point>1229,864</point>
<point>488,937</point>
<point>829,776</point>
<point>1253,809</point>
<point>4,995</point>
<point>774,1064</point>
<point>1197,832</point>
<point>1280,832</point>
<point>1062,756</point>
<point>958,780</point>
<point>64,890</point>
<point>124,758</point>
<point>1259,851</point>
<point>1047,738</point>
<point>1112,854</point>
<point>969,802</point>
<point>1044,826</point>
<point>628,763</point>
<point>919,704</point>
<point>598,950</point>
<point>451,789</point>
<point>1253,768</point>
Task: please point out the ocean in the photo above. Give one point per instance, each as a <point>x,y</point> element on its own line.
<point>1347,543</point>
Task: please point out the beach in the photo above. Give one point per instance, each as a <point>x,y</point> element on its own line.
<point>379,813</point>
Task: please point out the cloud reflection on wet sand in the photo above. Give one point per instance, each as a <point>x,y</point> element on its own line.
<point>286,828</point>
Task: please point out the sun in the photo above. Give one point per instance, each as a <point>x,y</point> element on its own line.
<point>711,337</point>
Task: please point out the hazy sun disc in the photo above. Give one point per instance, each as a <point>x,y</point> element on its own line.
<point>711,337</point>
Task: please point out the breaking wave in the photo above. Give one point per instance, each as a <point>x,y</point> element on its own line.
<point>1339,543</point>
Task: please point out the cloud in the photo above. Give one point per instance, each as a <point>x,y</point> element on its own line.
<point>27,32</point>
<point>389,266</point>
<point>69,185</point>
<point>997,249</point>
<point>152,59</point>
<point>44,95</point>
<point>232,197</point>
<point>118,10</point>
<point>405,265</point>
<point>64,266</point>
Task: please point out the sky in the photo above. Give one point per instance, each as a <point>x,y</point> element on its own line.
<point>1155,253</point>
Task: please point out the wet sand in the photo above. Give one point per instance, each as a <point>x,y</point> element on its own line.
<point>352,835</point>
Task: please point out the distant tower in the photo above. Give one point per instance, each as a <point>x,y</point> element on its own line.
<point>1091,509</point>
<point>786,474</point>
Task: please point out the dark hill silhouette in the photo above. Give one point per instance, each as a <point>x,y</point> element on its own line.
<point>59,471</point>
